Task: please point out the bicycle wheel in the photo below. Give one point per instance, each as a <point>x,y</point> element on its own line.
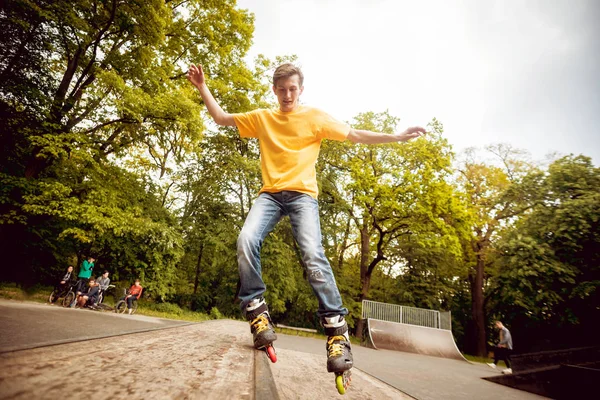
<point>68,299</point>
<point>121,307</point>
<point>53,296</point>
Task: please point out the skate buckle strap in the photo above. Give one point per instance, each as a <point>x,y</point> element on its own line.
<point>335,349</point>
<point>260,323</point>
<point>252,314</point>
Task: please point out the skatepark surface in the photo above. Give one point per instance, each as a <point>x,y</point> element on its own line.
<point>212,360</point>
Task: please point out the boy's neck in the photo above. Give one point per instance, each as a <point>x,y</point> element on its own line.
<point>296,108</point>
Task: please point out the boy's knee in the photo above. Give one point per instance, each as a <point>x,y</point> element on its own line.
<point>315,275</point>
<point>247,241</point>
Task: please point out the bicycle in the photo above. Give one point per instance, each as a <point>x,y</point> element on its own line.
<point>101,295</point>
<point>99,305</point>
<point>69,295</point>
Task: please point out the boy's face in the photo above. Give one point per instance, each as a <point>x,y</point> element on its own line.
<point>70,269</point>
<point>288,91</point>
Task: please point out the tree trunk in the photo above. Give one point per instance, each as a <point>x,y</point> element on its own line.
<point>477,309</point>
<point>365,277</point>
<point>196,280</point>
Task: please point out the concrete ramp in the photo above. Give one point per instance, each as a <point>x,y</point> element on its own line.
<point>412,339</point>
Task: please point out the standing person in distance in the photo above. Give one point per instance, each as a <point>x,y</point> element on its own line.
<point>504,348</point>
<point>290,138</point>
<point>85,273</point>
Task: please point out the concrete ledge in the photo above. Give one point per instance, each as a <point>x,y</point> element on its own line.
<point>264,384</point>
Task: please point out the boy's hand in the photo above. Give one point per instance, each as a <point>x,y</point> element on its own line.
<point>196,75</point>
<point>411,133</point>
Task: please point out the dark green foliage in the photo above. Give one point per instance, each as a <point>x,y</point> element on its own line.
<point>549,264</point>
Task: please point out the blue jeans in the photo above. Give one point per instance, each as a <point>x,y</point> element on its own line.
<point>303,211</point>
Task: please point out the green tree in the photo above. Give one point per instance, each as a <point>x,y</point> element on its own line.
<point>497,195</point>
<point>95,90</point>
<point>549,263</point>
<point>107,69</point>
<point>389,197</point>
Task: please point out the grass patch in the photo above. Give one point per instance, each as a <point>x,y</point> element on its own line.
<point>185,315</point>
<point>170,311</point>
<point>38,294</point>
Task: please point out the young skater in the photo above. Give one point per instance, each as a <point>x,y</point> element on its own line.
<point>290,139</point>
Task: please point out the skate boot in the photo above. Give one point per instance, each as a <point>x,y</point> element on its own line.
<point>261,326</point>
<point>339,351</point>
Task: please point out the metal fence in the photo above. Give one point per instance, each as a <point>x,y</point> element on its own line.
<point>406,315</point>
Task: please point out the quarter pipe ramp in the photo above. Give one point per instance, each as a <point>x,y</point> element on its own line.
<point>412,339</point>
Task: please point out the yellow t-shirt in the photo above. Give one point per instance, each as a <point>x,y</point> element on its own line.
<point>289,145</point>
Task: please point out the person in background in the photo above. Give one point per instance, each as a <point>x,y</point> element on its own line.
<point>103,281</point>
<point>135,291</point>
<point>62,286</point>
<point>89,295</point>
<point>85,272</point>
<point>504,348</point>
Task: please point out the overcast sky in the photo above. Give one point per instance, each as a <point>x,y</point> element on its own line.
<point>524,72</point>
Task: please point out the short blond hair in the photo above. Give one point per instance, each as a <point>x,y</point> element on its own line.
<point>285,71</point>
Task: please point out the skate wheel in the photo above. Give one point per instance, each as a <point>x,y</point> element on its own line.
<point>339,383</point>
<point>271,354</point>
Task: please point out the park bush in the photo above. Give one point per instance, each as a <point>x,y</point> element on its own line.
<point>168,308</point>
<point>215,313</point>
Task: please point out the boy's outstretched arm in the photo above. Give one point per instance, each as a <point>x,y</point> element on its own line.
<point>368,137</point>
<point>196,76</point>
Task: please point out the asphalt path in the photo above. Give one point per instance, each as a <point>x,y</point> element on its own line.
<point>29,325</point>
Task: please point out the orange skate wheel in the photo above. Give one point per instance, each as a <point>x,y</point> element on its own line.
<point>271,354</point>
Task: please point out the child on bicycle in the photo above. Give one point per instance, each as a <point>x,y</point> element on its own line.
<point>63,285</point>
<point>103,282</point>
<point>135,291</point>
